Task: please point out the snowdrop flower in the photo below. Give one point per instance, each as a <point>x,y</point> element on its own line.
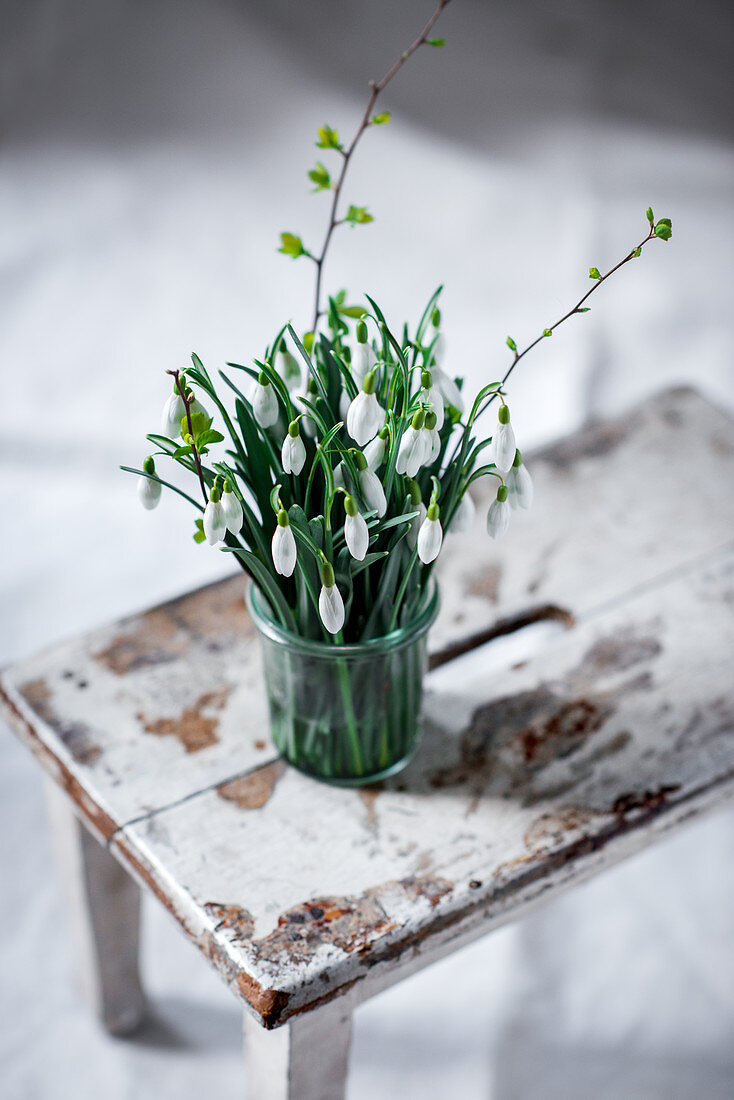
<point>412,450</point>
<point>356,532</point>
<point>343,405</point>
<point>448,389</point>
<point>215,519</point>
<point>374,452</point>
<point>365,416</point>
<point>415,504</point>
<point>283,546</point>
<point>430,535</point>
<point>264,402</point>
<point>363,360</point>
<point>233,513</point>
<point>439,347</point>
<point>287,366</point>
<point>293,452</point>
<point>174,411</point>
<point>431,395</point>
<point>149,492</point>
<point>498,516</point>
<point>519,485</point>
<point>431,439</point>
<point>502,449</point>
<point>370,486</point>
<point>339,482</point>
<point>464,516</point>
<point>331,604</point>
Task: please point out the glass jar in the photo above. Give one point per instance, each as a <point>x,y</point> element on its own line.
<point>347,714</point>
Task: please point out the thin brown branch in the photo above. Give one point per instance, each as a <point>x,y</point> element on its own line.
<point>375,89</point>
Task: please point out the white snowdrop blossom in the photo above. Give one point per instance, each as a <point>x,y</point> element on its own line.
<point>431,395</point>
<point>503,448</point>
<point>356,532</point>
<point>343,405</point>
<point>174,411</point>
<point>215,519</point>
<point>293,451</point>
<point>370,486</point>
<point>464,516</point>
<point>233,513</point>
<point>331,604</point>
<point>197,407</point>
<point>363,360</point>
<point>519,485</point>
<point>430,535</point>
<point>431,439</point>
<point>415,524</point>
<point>412,450</point>
<point>498,516</point>
<point>365,416</point>
<point>448,389</point>
<point>339,482</point>
<point>149,492</point>
<point>439,348</point>
<point>374,452</point>
<point>264,402</point>
<point>283,546</point>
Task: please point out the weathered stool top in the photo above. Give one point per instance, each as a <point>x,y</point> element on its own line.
<point>528,778</point>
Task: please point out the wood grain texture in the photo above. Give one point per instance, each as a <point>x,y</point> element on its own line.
<point>529,778</point>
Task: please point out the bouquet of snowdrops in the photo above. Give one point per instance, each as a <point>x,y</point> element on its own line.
<point>333,466</point>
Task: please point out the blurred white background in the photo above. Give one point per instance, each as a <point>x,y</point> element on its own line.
<point>151,151</point>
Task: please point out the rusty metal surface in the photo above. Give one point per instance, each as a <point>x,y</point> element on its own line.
<point>524,783</point>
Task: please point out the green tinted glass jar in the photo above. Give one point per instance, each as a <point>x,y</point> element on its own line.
<point>347,714</point>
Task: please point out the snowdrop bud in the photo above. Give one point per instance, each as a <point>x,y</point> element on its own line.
<point>331,605</point>
<point>430,535</point>
<point>264,402</point>
<point>174,411</point>
<point>365,415</point>
<point>502,451</point>
<point>374,452</point>
<point>436,317</point>
<point>370,486</point>
<point>287,366</point>
<point>431,438</point>
<point>363,360</point>
<point>519,485</point>
<point>149,492</point>
<point>293,452</point>
<point>447,388</point>
<point>464,516</point>
<point>215,520</point>
<point>361,331</point>
<point>233,513</point>
<point>356,532</point>
<point>431,395</point>
<point>283,546</point>
<point>412,450</point>
<point>498,516</point>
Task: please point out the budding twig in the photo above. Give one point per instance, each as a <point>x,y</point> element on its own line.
<point>194,453</point>
<point>375,88</point>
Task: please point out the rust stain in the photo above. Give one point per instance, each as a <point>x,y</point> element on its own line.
<point>619,652</point>
<point>75,736</point>
<point>643,800</point>
<point>194,728</point>
<point>252,791</point>
<point>486,583</point>
<point>563,733</point>
<point>233,918</point>
<point>270,1004</point>
<point>210,616</point>
<point>351,923</point>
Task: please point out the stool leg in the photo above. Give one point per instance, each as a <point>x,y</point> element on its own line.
<point>305,1059</point>
<point>103,904</point>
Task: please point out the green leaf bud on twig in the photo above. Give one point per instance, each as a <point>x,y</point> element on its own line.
<point>381,118</point>
<point>594,273</point>
<point>511,344</point>
<point>328,138</point>
<point>650,216</point>
<point>547,331</point>
<point>319,175</point>
<point>292,245</point>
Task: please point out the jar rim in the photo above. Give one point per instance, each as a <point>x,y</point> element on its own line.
<point>396,639</point>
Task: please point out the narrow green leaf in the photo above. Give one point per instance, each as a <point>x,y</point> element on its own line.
<point>353,311</point>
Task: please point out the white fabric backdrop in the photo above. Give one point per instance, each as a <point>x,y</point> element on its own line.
<point>151,153</point>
